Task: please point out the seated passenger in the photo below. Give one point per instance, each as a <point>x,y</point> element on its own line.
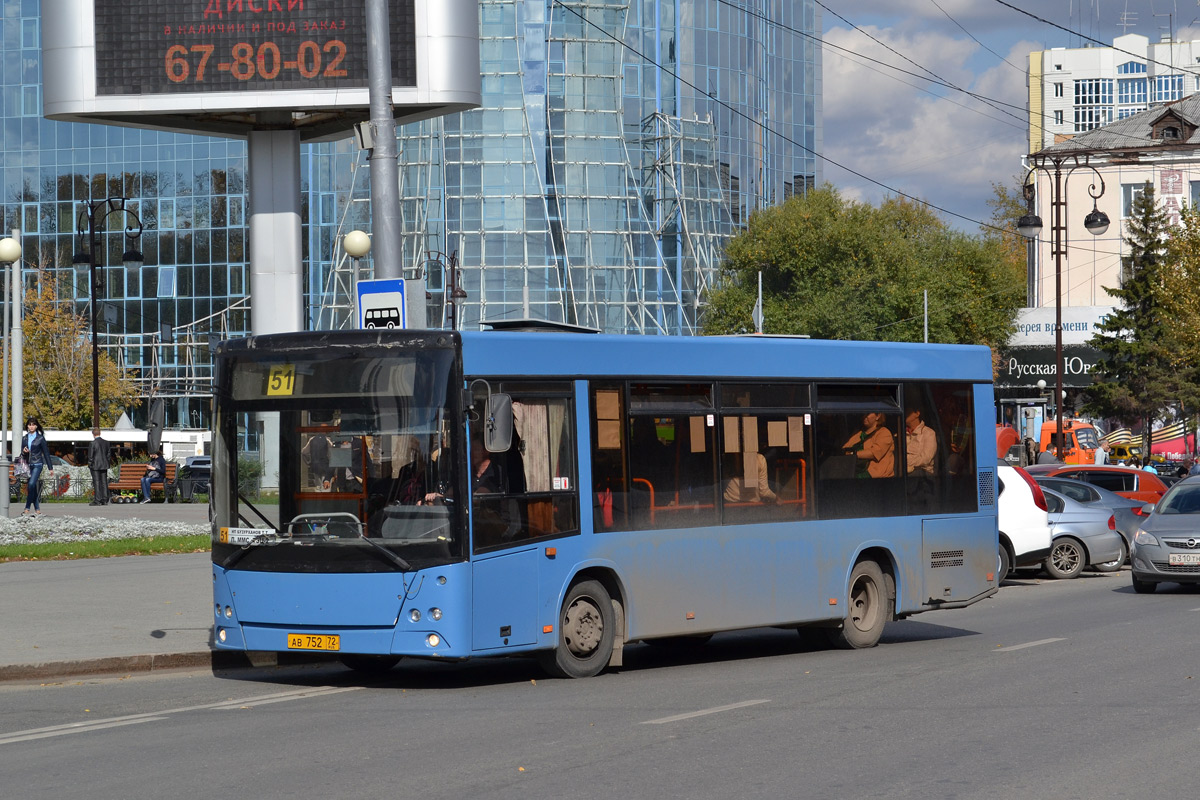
<point>874,447</point>
<point>736,490</point>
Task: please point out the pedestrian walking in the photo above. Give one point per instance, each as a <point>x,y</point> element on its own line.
<point>99,460</point>
<point>37,454</point>
<point>1102,453</point>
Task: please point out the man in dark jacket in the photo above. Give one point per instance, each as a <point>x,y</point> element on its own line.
<point>99,462</point>
<point>157,473</point>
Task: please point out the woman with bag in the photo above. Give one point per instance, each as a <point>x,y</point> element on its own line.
<point>37,454</point>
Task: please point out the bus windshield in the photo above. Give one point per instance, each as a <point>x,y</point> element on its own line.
<point>354,465</point>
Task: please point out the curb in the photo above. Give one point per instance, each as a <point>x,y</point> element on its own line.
<point>217,660</point>
<point>103,666</point>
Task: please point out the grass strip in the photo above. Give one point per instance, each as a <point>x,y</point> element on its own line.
<point>141,546</point>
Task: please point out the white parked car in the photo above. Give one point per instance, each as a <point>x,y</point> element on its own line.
<point>1024,524</point>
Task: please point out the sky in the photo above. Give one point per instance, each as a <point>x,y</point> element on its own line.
<point>940,145</point>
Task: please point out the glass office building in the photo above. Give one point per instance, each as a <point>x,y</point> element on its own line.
<point>619,144</point>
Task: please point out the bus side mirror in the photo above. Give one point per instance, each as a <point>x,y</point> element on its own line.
<point>498,423</point>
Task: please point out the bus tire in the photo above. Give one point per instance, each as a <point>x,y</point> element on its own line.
<point>586,626</point>
<point>867,612</point>
<point>368,664</point>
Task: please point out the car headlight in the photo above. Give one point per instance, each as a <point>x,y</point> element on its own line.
<point>1144,538</point>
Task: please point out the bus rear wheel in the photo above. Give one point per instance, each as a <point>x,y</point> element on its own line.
<point>868,611</point>
<point>586,627</point>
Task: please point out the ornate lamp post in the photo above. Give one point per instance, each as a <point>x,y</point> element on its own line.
<point>92,220</point>
<point>1060,167</point>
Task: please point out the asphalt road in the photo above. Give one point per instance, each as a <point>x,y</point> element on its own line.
<point>1074,689</point>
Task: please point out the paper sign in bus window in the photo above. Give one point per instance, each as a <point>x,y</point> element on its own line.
<point>750,434</point>
<point>697,431</point>
<point>777,433</point>
<point>608,405</point>
<point>608,434</point>
<point>796,434</point>
<point>732,439</point>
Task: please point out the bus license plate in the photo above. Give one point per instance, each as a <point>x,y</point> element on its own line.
<point>1179,559</point>
<point>314,641</point>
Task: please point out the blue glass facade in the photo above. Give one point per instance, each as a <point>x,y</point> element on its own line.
<point>619,144</point>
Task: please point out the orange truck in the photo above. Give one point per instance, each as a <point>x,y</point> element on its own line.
<point>1080,440</point>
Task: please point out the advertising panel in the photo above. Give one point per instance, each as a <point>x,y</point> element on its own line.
<point>231,66</point>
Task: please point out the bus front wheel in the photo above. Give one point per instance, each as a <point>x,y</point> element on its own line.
<point>867,613</point>
<point>586,627</point>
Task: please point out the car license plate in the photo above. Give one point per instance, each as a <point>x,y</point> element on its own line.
<point>314,641</point>
<point>1175,559</point>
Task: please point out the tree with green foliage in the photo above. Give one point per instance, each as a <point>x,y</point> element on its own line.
<point>58,365</point>
<point>837,269</point>
<point>1179,298</point>
<point>1133,378</point>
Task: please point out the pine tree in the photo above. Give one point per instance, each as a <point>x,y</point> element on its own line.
<point>1133,376</point>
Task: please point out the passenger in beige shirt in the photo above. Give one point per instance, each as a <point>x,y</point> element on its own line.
<point>875,446</point>
<point>921,444</point>
<point>737,492</point>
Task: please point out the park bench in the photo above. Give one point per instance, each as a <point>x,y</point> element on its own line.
<point>129,479</point>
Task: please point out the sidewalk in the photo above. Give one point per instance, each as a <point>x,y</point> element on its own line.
<point>107,615</point>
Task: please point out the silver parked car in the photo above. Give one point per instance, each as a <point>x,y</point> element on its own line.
<point>1128,514</point>
<point>1083,536</point>
<point>1167,546</point>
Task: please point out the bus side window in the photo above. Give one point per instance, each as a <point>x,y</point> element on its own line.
<point>610,494</point>
<point>535,494</point>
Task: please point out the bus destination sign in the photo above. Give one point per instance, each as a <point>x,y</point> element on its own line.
<point>151,47</point>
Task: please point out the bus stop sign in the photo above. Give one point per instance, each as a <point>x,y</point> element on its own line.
<point>381,303</point>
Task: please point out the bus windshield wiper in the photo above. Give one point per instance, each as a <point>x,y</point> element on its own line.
<point>395,559</point>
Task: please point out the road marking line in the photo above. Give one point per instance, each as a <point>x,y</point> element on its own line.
<point>155,716</point>
<point>705,712</point>
<point>262,701</point>
<point>1027,644</point>
<point>84,728</point>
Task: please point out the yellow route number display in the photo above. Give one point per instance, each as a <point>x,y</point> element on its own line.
<point>281,380</point>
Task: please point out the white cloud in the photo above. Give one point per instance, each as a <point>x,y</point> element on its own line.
<point>925,141</point>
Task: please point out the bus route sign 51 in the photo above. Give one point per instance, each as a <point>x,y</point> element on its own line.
<point>381,303</point>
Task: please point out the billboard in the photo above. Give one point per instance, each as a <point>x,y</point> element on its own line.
<point>231,66</point>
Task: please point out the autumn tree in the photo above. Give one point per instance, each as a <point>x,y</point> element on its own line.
<point>837,269</point>
<point>1134,378</point>
<point>1179,298</point>
<point>58,365</point>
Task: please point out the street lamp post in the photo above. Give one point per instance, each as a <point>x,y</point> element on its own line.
<point>10,254</point>
<point>457,293</point>
<point>91,221</point>
<point>1030,225</point>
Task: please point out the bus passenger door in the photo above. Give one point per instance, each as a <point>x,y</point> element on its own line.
<point>504,600</point>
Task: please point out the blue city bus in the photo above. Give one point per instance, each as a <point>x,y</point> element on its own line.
<point>450,495</point>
